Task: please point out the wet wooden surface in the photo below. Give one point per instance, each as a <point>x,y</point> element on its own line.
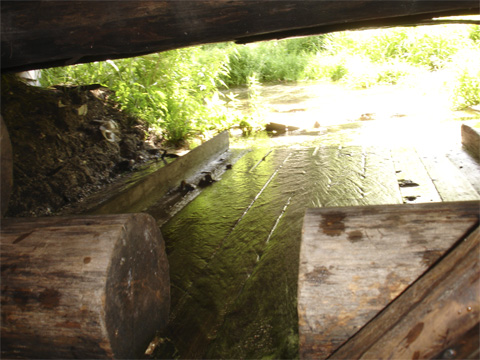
<point>354,261</point>
<point>86,31</point>
<point>234,295</point>
<point>82,287</point>
<point>437,317</point>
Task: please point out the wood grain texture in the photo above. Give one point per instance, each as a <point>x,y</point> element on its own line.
<point>449,182</point>
<point>467,165</point>
<point>409,167</point>
<point>471,140</point>
<point>82,287</point>
<point>432,317</point>
<point>38,34</point>
<point>6,168</point>
<point>354,261</point>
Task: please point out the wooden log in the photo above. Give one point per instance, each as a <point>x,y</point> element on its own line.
<point>437,317</point>
<point>471,140</point>
<point>356,260</point>
<point>86,31</point>
<point>6,168</point>
<point>82,287</point>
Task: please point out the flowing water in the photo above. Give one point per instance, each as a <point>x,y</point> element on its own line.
<point>234,249</point>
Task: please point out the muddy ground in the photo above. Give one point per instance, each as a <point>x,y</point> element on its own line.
<point>67,143</point>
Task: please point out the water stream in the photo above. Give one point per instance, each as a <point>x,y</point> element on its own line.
<point>234,249</point>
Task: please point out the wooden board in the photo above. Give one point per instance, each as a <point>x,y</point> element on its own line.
<point>415,184</point>
<point>6,168</point>
<point>355,260</point>
<point>435,318</point>
<point>449,182</point>
<point>86,31</point>
<point>352,176</point>
<point>82,287</point>
<point>467,165</point>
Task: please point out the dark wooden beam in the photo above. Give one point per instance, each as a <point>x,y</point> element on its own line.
<point>39,34</point>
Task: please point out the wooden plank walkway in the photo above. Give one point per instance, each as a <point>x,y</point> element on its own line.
<point>234,250</point>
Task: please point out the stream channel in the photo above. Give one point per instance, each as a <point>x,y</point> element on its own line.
<point>234,249</point>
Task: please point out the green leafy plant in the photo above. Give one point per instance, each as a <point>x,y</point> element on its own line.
<point>168,90</point>
<point>465,89</point>
<point>181,92</point>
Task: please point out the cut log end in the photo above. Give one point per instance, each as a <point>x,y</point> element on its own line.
<point>82,287</point>
<point>137,289</point>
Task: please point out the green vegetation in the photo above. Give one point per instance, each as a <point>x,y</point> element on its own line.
<point>175,91</point>
<point>183,93</point>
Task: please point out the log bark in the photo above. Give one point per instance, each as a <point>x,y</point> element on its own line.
<point>354,261</point>
<point>82,287</point>
<point>432,317</point>
<point>6,168</point>
<point>38,34</point>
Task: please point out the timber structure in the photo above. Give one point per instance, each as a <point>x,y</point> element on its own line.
<point>40,34</point>
<point>77,298</point>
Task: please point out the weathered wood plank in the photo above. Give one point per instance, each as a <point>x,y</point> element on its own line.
<point>354,261</point>
<point>467,165</point>
<point>380,181</point>
<point>415,184</point>
<point>150,189</point>
<point>432,316</point>
<point>39,34</point>
<point>352,176</point>
<point>82,287</point>
<point>449,182</point>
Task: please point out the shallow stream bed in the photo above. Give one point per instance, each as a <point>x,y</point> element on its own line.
<point>234,249</point>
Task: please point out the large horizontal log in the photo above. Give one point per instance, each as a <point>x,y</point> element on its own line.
<point>434,319</point>
<point>40,34</point>
<point>82,287</point>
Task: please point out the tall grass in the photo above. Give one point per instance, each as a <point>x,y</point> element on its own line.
<point>465,87</point>
<point>271,61</point>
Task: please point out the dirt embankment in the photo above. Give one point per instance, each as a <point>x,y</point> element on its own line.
<point>67,143</point>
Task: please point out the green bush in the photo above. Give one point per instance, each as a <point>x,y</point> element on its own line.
<point>272,61</point>
<point>431,46</point>
<point>168,90</point>
<point>474,33</point>
<point>323,66</point>
<point>465,88</point>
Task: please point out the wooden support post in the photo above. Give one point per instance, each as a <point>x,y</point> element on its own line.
<point>6,168</point>
<point>355,260</point>
<point>82,287</point>
<point>432,318</point>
